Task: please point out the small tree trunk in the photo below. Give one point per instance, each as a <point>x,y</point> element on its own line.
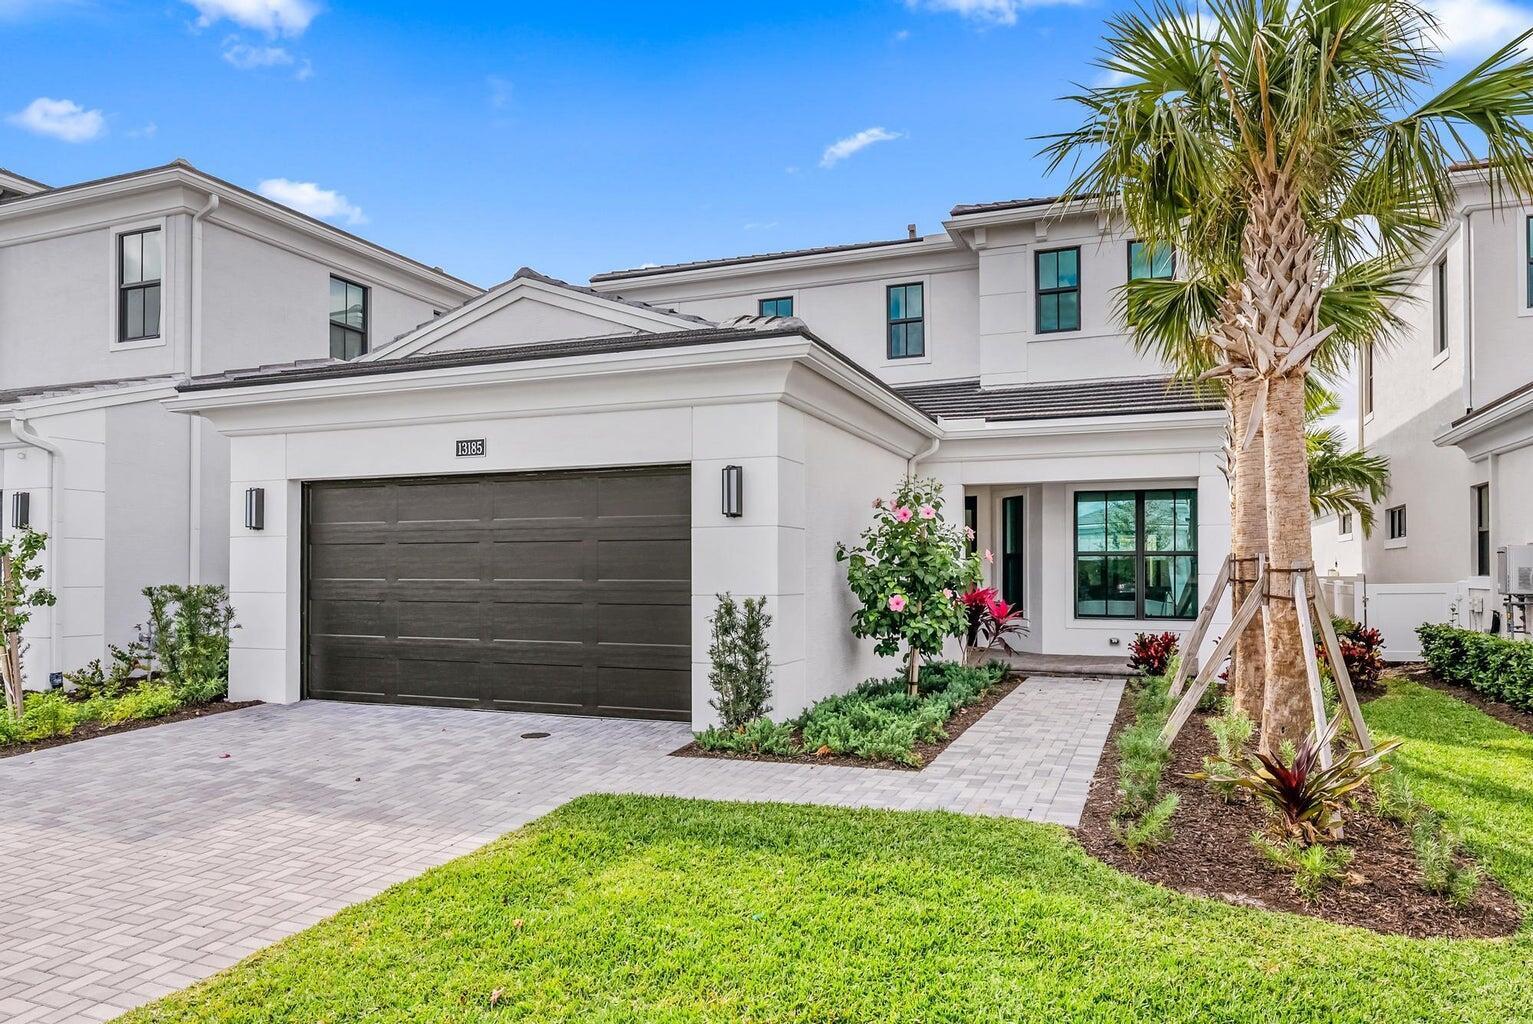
<point>1285,710</point>
<point>1248,539</point>
<point>913,673</point>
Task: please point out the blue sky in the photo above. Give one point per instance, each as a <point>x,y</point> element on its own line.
<point>572,137</point>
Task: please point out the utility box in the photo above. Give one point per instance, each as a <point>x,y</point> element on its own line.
<point>1514,569</point>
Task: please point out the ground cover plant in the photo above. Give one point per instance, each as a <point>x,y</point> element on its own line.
<point>877,722</point>
<point>648,909</point>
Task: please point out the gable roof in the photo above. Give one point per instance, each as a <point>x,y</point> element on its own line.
<point>618,311</point>
<point>1112,396</point>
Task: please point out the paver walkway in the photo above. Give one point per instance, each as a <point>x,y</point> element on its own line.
<point>139,863</point>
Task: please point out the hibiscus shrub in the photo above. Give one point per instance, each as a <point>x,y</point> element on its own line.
<point>1151,653</point>
<point>908,573</point>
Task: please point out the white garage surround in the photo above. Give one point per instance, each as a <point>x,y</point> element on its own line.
<point>815,436</point>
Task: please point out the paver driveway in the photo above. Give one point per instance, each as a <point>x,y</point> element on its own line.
<point>142,862</point>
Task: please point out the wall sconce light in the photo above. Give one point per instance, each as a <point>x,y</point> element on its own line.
<point>255,508</point>
<point>21,510</point>
<point>734,492</point>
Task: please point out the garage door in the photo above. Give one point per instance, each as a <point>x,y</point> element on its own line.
<point>561,592</point>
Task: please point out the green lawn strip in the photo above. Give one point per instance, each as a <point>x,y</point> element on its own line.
<point>1477,771</point>
<point>655,909</point>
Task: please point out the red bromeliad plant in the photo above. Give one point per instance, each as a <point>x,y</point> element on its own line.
<point>1362,650</point>
<point>1151,653</point>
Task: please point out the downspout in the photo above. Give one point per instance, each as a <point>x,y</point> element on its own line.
<point>921,456</point>
<point>25,435</point>
<point>194,423</point>
<point>1468,308</point>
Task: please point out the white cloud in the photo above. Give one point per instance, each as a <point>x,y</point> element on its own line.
<point>274,17</point>
<point>307,197</point>
<point>842,148</point>
<point>1478,25</point>
<point>245,57</point>
<point>987,12</point>
<point>61,119</point>
<point>148,131</point>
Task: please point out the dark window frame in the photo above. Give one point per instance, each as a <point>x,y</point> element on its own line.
<point>1344,524</point>
<point>1396,523</point>
<point>1527,241</point>
<point>1014,562</point>
<point>365,334</point>
<point>1482,517</point>
<point>143,284</point>
<point>761,305</point>
<point>1138,554</point>
<point>891,322</point>
<point>971,520</point>
<point>1440,304</point>
<point>1040,292</point>
<point>1367,396</point>
<point>1129,252</point>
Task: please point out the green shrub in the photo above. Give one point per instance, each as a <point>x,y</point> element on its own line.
<point>759,737</point>
<point>1314,866</point>
<point>1499,668</point>
<point>96,709</point>
<point>741,674</point>
<point>1150,830</point>
<point>201,691</point>
<point>147,700</point>
<point>1438,853</point>
<point>11,729</point>
<point>1396,800</point>
<point>1232,731</point>
<point>189,630</point>
<point>48,714</point>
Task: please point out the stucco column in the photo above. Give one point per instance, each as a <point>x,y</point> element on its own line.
<point>264,567</point>
<point>758,554</point>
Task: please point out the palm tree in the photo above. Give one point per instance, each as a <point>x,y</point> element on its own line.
<point>1341,480</point>
<point>1284,145</point>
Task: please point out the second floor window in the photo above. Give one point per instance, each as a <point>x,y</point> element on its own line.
<point>1394,522</point>
<point>1344,524</point>
<point>1150,261</point>
<point>907,321</point>
<point>1440,305</point>
<point>348,319</point>
<point>140,265</point>
<point>1059,290</point>
<point>775,307</point>
<point>1528,269</point>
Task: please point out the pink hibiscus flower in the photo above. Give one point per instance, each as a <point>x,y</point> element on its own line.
<point>989,557</point>
<point>903,514</point>
<point>927,512</point>
<point>897,603</point>
<point>878,503</point>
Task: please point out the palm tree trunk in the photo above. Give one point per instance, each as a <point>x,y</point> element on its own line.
<point>1248,539</point>
<point>1285,709</point>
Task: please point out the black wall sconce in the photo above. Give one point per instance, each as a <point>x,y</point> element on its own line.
<point>21,510</point>
<point>255,508</point>
<point>734,492</point>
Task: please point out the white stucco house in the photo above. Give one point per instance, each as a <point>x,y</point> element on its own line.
<point>113,290</point>
<point>522,504</point>
<point>1450,403</point>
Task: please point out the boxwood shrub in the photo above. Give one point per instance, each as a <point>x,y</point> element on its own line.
<point>1499,668</point>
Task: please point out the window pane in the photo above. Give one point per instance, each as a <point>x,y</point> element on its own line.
<point>1138,261</point>
<point>1120,586</point>
<point>1170,586</point>
<point>1069,311</point>
<point>133,314</point>
<point>1069,268</point>
<point>1048,313</point>
<point>915,300</point>
<point>915,339</point>
<point>1090,586</point>
<point>337,299</point>
<point>1164,264</point>
<point>132,258</point>
<point>896,303</point>
<point>896,341</point>
<point>1122,530</point>
<point>356,307</point>
<point>1186,520</point>
<point>1090,521</point>
<point>1159,521</point>
<point>337,342</point>
<point>154,258</point>
<point>1048,270</point>
<point>152,311</point>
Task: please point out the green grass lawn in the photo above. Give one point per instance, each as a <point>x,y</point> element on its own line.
<point>646,909</point>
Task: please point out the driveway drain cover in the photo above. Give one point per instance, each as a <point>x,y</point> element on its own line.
<point>534,735</point>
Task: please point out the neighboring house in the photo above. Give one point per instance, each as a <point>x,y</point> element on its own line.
<point>1450,403</point>
<point>110,292</point>
<point>533,501</point>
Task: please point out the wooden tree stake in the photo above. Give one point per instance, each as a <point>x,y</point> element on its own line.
<point>1194,639</point>
<point>1189,701</point>
<point>1339,670</point>
<point>1311,665</point>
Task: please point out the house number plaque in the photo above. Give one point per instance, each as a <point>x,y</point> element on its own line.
<point>470,449</point>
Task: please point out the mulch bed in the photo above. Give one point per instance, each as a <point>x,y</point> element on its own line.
<point>1417,672</point>
<point>955,727</point>
<point>1210,855</point>
<point>90,730</point>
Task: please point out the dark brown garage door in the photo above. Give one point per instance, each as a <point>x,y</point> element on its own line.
<point>562,592</point>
